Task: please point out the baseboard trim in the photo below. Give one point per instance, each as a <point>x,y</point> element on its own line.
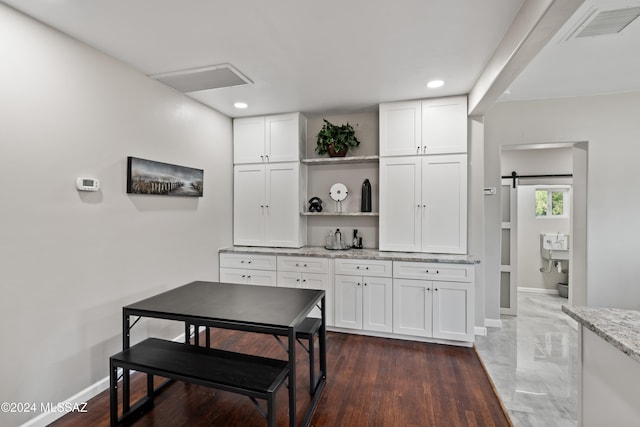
<point>493,323</point>
<point>480,330</point>
<point>538,291</point>
<point>77,400</point>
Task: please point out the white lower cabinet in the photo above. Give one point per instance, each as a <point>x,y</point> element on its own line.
<point>248,277</point>
<point>363,301</point>
<point>440,309</point>
<point>248,269</point>
<point>307,273</point>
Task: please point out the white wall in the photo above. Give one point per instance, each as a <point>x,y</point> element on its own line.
<point>609,124</point>
<point>71,260</point>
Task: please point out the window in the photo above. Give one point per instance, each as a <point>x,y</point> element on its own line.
<point>552,202</point>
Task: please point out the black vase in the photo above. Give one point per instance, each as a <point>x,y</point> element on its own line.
<point>365,205</point>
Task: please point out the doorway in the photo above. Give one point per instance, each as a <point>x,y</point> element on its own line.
<point>531,171</point>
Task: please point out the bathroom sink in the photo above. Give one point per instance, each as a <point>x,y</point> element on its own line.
<point>554,246</point>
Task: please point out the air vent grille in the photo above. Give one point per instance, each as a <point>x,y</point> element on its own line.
<point>205,78</point>
<point>609,22</point>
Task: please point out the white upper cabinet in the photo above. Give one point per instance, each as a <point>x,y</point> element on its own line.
<point>267,204</point>
<point>444,125</point>
<point>423,204</point>
<point>269,139</point>
<point>400,128</point>
<point>431,126</point>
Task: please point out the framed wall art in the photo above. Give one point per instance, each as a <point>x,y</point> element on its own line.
<point>164,179</point>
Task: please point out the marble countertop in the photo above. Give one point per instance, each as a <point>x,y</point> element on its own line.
<point>620,328</point>
<point>319,251</point>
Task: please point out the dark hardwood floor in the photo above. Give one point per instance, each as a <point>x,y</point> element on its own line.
<point>371,382</point>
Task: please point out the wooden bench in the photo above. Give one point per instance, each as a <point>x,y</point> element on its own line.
<point>252,376</point>
<point>306,330</point>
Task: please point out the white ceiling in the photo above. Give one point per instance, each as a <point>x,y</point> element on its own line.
<point>336,55</point>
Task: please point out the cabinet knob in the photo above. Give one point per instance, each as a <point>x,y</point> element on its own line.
<point>305,265</point>
<point>241,261</point>
<point>358,284</point>
<point>428,289</point>
<point>365,284</point>
<point>248,262</point>
<point>427,271</point>
<point>304,280</point>
<point>297,265</point>
<point>436,289</point>
<point>267,157</point>
<point>358,267</point>
<point>244,275</point>
<point>366,268</point>
<point>262,158</point>
<point>437,271</point>
<point>297,280</point>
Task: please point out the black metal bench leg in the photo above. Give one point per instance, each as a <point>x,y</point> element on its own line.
<point>271,410</point>
<point>312,365</point>
<point>113,394</point>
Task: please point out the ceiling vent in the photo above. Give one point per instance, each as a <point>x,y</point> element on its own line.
<point>600,23</point>
<point>204,78</point>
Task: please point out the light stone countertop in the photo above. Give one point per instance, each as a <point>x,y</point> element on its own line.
<point>620,328</point>
<point>318,251</point>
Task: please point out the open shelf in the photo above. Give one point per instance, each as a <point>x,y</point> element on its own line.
<point>341,160</point>
<point>340,213</point>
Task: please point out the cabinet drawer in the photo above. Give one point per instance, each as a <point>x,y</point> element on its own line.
<point>433,271</point>
<point>303,264</point>
<point>248,261</point>
<point>363,267</point>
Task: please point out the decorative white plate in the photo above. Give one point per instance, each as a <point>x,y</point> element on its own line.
<point>338,192</point>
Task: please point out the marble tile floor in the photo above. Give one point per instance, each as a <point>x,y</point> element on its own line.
<point>533,362</point>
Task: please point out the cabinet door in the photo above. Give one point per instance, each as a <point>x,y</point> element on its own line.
<point>444,204</point>
<point>444,125</point>
<point>248,140</point>
<point>453,311</point>
<point>400,207</point>
<point>233,275</point>
<point>289,279</point>
<point>282,138</point>
<point>249,205</point>
<point>412,300</point>
<point>261,277</point>
<point>248,277</point>
<point>377,304</point>
<point>348,302</point>
<point>282,213</point>
<point>318,281</point>
<point>400,128</point>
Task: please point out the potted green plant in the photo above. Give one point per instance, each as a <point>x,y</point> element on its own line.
<point>336,140</point>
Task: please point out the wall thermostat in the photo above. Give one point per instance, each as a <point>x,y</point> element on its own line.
<point>87,184</point>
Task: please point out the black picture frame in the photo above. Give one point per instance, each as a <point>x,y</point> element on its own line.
<point>150,177</point>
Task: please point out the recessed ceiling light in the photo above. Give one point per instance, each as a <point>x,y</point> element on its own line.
<point>240,105</point>
<point>435,83</point>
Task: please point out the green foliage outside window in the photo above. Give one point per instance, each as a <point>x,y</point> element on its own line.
<point>550,203</point>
